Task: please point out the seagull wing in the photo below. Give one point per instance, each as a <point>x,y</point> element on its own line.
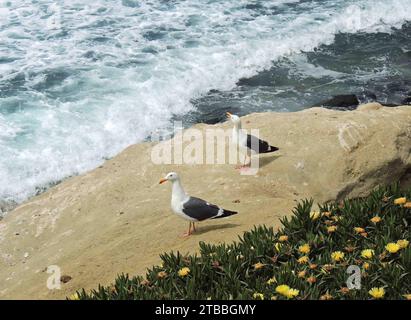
<point>258,145</point>
<point>200,210</point>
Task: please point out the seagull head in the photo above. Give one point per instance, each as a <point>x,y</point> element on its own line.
<point>234,119</point>
<point>171,176</point>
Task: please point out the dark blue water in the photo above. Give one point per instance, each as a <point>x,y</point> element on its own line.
<point>373,66</point>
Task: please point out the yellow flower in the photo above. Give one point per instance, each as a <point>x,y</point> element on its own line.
<point>407,205</point>
<point>292,293</point>
<point>312,279</point>
<point>282,289</point>
<point>258,266</point>
<point>366,265</point>
<point>183,272</point>
<point>403,243</point>
<point>331,229</point>
<point>273,298</point>
<point>258,296</point>
<point>377,293</point>
<point>287,291</point>
<point>314,215</point>
<point>407,296</point>
<point>74,296</point>
<point>344,290</point>
<point>400,201</point>
<point>278,246</point>
<point>304,248</point>
<point>283,238</point>
<point>326,296</point>
<point>303,259</point>
<point>337,256</point>
<point>376,219</point>
<point>313,266</point>
<point>392,247</point>
<point>359,230</point>
<point>162,274</point>
<point>271,281</point>
<point>301,274</point>
<point>327,214</point>
<point>367,253</point>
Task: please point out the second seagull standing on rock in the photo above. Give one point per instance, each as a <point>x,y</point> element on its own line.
<point>191,208</point>
<point>247,143</point>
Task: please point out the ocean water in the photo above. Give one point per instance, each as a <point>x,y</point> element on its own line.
<point>81,80</point>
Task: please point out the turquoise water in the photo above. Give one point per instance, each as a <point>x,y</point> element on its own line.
<point>80,80</point>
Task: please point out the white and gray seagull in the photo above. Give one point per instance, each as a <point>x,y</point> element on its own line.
<point>191,208</point>
<point>248,144</point>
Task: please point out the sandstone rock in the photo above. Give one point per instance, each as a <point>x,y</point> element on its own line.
<point>324,154</point>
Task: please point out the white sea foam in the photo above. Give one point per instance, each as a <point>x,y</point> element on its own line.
<point>82,80</point>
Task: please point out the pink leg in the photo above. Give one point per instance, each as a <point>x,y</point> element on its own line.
<point>187,234</point>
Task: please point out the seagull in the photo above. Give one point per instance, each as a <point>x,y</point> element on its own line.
<point>191,208</point>
<point>247,143</point>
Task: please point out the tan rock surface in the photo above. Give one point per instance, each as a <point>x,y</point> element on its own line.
<point>117,218</point>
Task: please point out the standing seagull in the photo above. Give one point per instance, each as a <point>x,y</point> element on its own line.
<point>247,143</point>
<point>191,208</point>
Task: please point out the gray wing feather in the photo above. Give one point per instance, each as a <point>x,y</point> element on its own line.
<point>199,209</point>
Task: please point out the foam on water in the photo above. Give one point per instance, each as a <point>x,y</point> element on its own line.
<point>82,80</point>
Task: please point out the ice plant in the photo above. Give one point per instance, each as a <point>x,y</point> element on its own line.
<point>326,296</point>
<point>407,205</point>
<point>375,219</point>
<point>286,291</point>
<point>292,293</point>
<point>403,243</point>
<point>304,248</point>
<point>313,266</point>
<point>314,215</point>
<point>327,214</point>
<point>184,272</point>
<point>271,281</point>
<point>367,253</point>
<point>74,296</point>
<point>407,296</point>
<point>258,266</point>
<point>366,265</point>
<point>400,201</point>
<point>344,290</point>
<point>359,230</point>
<point>331,229</point>
<point>282,289</point>
<point>162,274</point>
<point>312,279</point>
<point>392,247</point>
<point>301,274</point>
<point>283,238</point>
<point>377,293</point>
<point>337,256</point>
<point>302,260</point>
<point>258,296</point>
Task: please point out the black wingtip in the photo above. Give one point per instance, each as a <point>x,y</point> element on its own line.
<point>272,149</point>
<point>226,213</point>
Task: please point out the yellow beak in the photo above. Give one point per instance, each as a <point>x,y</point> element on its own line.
<point>162,181</point>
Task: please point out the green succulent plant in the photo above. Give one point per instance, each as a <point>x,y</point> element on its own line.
<point>255,265</point>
